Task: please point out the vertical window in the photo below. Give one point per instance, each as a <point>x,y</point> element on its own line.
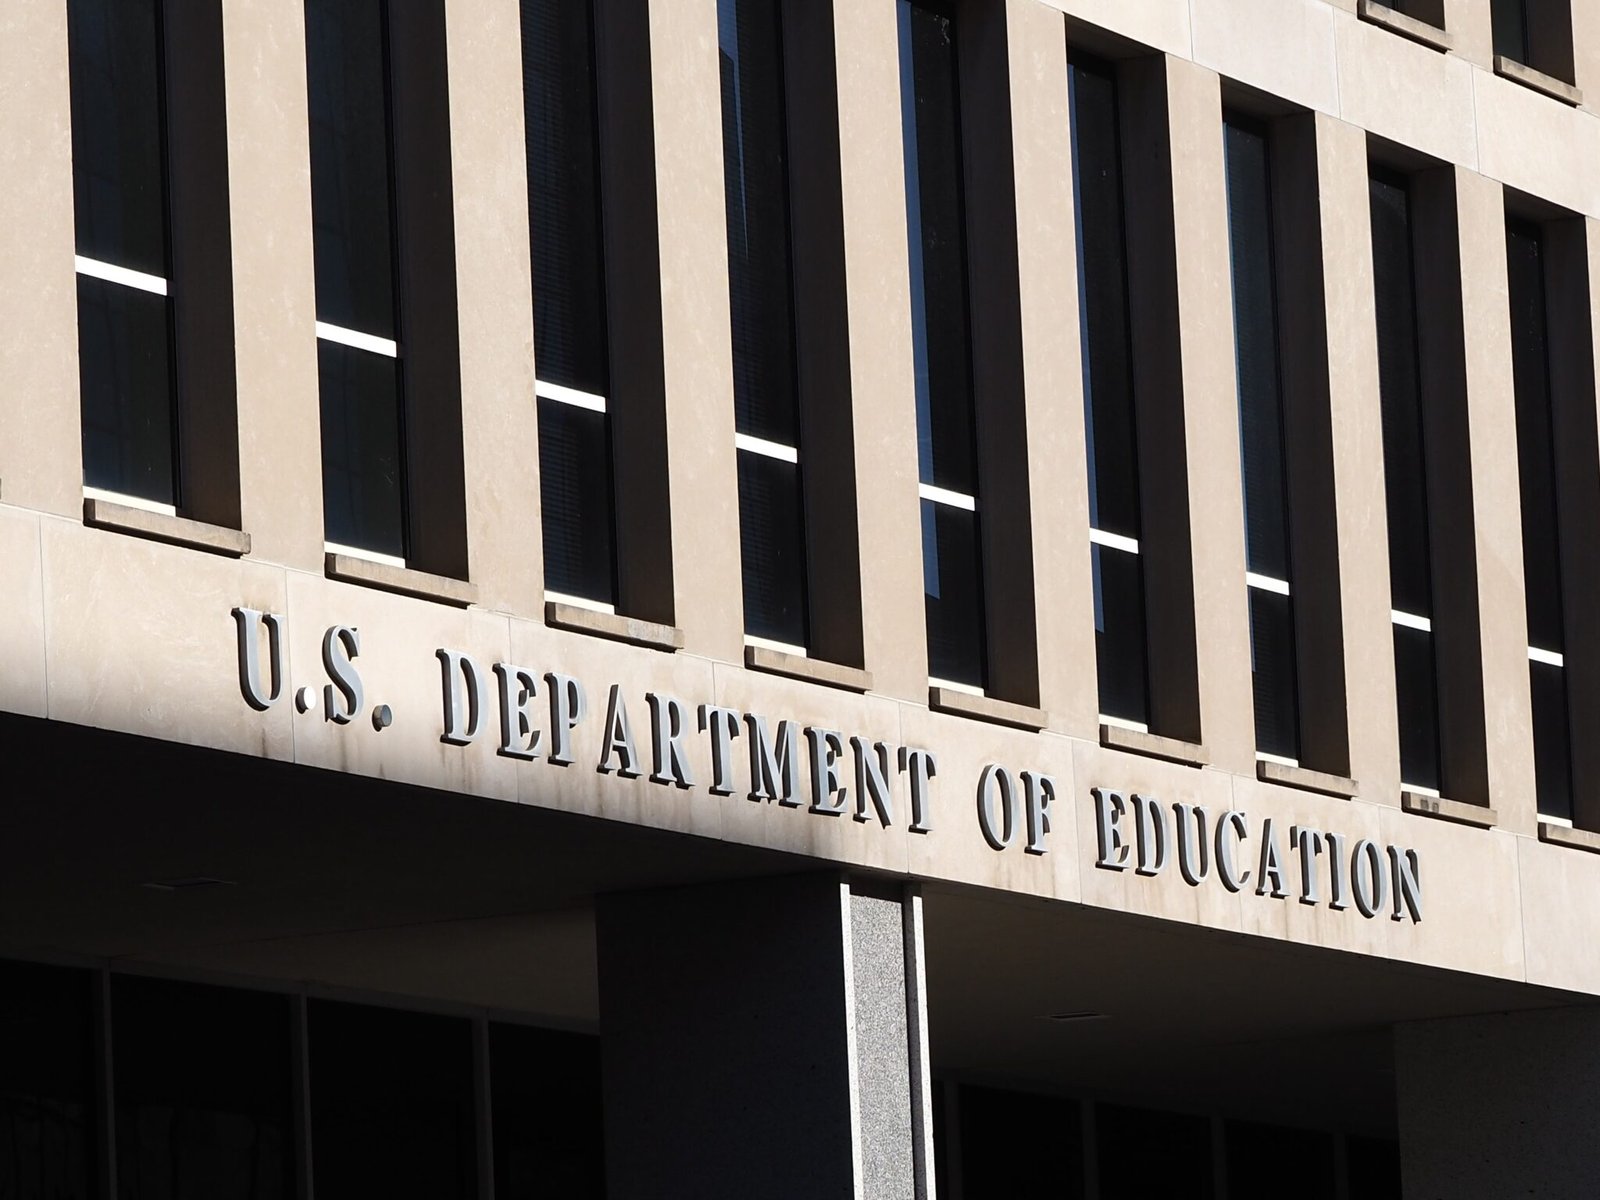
<point>202,1078</point>
<point>1510,18</point>
<point>1109,425</point>
<point>123,258</point>
<point>547,1114</point>
<point>47,1096</point>
<point>392,1111</point>
<point>571,350</point>
<point>761,295</point>
<point>1259,374</point>
<point>952,562</point>
<point>1405,482</point>
<point>1541,545</point>
<point>358,352</point>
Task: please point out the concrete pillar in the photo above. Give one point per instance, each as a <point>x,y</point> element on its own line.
<point>1500,1105</point>
<point>765,1038</point>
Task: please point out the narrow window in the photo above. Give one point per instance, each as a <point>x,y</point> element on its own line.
<point>1109,425</point>
<point>1541,545</point>
<point>1259,373</point>
<point>571,347</point>
<point>123,259</point>
<point>1510,18</point>
<point>761,295</point>
<point>1405,481</point>
<point>952,559</point>
<point>358,352</point>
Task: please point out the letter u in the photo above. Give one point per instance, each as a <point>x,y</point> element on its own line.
<point>249,622</point>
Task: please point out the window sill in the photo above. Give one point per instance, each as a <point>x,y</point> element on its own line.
<point>1306,779</point>
<point>162,527</point>
<point>986,708</point>
<point>615,626</point>
<point>797,666</point>
<point>1408,27</point>
<point>1423,805</point>
<point>1153,745</point>
<point>1566,835</point>
<point>1548,85</point>
<point>348,568</point>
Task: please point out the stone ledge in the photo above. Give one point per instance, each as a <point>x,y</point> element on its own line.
<point>1306,779</point>
<point>1548,85</point>
<point>986,708</point>
<point>1153,745</point>
<point>1423,805</point>
<point>615,626</point>
<point>349,568</point>
<point>1566,835</point>
<point>1408,27</point>
<point>812,670</point>
<point>164,527</point>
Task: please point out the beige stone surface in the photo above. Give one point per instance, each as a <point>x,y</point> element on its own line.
<point>1160,24</point>
<point>1536,144</point>
<point>1285,47</point>
<point>22,613</point>
<point>1405,92</point>
<point>1559,921</point>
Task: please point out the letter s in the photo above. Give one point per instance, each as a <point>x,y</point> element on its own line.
<point>339,645</point>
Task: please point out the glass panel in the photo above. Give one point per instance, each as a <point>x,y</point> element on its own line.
<point>569,302</point>
<point>1264,1160</point>
<point>391,1104</point>
<point>1374,1168</point>
<point>1541,548</point>
<point>952,577</point>
<point>1405,477</point>
<point>772,545</point>
<point>1416,697</point>
<point>1552,751</point>
<point>1145,1154</point>
<point>756,191</point>
<point>1119,633</point>
<point>346,66</point>
<point>119,187</point>
<point>1256,351</point>
<point>1272,667</point>
<point>548,1127</point>
<point>1510,29</point>
<point>363,466</point>
<point>1003,1136</point>
<point>203,1085</point>
<point>47,1124</point>
<point>931,125</point>
<point>575,501</point>
<point>125,381</point>
<point>1103,303</point>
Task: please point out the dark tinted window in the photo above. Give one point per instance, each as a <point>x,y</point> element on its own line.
<point>1417,699</point>
<point>391,1104</point>
<point>346,74</point>
<point>932,130</point>
<point>1510,28</point>
<point>575,501</point>
<point>1272,673</point>
<point>1552,753</point>
<point>47,1122</point>
<point>363,467</point>
<point>1119,633</point>
<point>1267,1162</point>
<point>569,302</point>
<point>126,391</point>
<point>1016,1147</point>
<point>1144,1155</point>
<point>202,1077</point>
<point>548,1127</point>
<point>771,541</point>
<point>952,583</point>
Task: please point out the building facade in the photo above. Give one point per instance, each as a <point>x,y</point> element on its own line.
<point>768,598</point>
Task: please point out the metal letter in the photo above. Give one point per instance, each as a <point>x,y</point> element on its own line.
<point>1339,899</point>
<point>1108,809</point>
<point>453,667</point>
<point>1150,829</point>
<point>995,774</point>
<point>248,620</point>
<point>774,770</point>
<point>1372,885</point>
<point>723,724</point>
<point>568,706</point>
<point>922,766</point>
<point>1039,792</point>
<point>1226,872</point>
<point>1405,868</point>
<point>1308,842</point>
<point>518,687</point>
<point>827,748</point>
<point>619,739</point>
<point>872,780</point>
<point>1190,846</point>
<point>339,645</point>
<point>1271,872</point>
<point>669,720</point>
